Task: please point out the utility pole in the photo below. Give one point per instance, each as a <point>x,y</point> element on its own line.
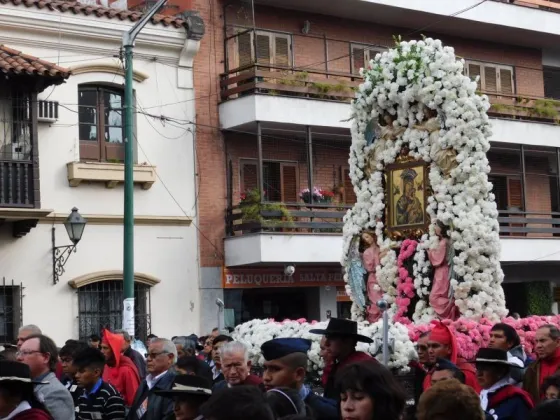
<point>128,249</point>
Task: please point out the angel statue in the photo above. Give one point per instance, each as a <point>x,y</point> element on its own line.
<point>356,272</point>
<point>446,159</point>
<point>380,134</point>
<point>442,295</point>
<point>372,258</point>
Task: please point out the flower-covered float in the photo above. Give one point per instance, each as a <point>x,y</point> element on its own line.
<point>423,234</point>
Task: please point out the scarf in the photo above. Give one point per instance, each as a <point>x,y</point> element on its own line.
<point>484,393</point>
<point>549,366</point>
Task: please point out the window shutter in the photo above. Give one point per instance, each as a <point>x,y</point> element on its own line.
<point>281,51</point>
<point>349,194</point>
<point>490,79</point>
<point>358,58</point>
<point>506,81</point>
<point>244,49</point>
<point>249,176</point>
<point>474,71</point>
<point>515,193</point>
<point>551,83</point>
<point>289,179</point>
<point>263,48</point>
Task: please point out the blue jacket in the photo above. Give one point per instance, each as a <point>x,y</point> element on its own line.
<point>322,408</point>
<point>509,403</point>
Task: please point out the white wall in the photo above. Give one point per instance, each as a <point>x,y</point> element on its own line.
<point>168,253</point>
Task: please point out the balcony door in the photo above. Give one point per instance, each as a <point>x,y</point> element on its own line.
<point>272,49</point>
<point>280,179</point>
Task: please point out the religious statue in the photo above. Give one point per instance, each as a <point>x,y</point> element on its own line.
<point>371,258</point>
<point>356,272</point>
<point>409,208</point>
<point>446,159</point>
<point>379,136</point>
<point>441,297</point>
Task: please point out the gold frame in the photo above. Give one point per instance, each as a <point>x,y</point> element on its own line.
<point>399,232</point>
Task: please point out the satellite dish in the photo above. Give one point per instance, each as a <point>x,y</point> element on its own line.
<point>306,27</point>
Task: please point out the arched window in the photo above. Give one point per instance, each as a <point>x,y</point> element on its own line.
<point>101,121</point>
<point>100,300</point>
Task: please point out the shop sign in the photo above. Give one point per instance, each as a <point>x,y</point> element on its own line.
<point>274,277</point>
<point>341,295</point>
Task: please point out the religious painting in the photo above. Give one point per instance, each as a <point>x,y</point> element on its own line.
<point>407,196</point>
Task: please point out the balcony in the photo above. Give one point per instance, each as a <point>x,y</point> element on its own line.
<point>263,83</point>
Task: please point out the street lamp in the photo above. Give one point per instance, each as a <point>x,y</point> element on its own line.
<point>75,225</point>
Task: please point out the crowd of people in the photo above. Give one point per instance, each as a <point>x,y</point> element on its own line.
<point>211,377</point>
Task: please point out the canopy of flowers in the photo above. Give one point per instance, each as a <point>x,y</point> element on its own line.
<point>471,335</point>
<point>404,86</point>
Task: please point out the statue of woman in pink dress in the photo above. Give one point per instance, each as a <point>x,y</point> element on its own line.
<point>371,258</point>
<point>441,296</point>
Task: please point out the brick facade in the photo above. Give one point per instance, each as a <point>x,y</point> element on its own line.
<point>215,149</point>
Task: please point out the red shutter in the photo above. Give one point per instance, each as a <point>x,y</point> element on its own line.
<point>515,193</point>
<point>349,194</point>
<point>289,180</point>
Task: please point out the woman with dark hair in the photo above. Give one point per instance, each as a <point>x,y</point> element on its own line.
<point>369,391</point>
<point>17,398</point>
<point>551,387</point>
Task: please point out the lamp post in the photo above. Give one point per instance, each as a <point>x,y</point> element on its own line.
<point>383,306</point>
<point>75,225</point>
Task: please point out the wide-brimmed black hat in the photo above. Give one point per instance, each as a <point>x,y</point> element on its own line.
<point>16,371</point>
<point>188,384</point>
<point>343,327</point>
<point>493,357</point>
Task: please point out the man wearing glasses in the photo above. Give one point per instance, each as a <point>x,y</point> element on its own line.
<point>149,405</point>
<point>40,354</point>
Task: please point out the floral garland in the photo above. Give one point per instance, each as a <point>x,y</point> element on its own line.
<point>470,335</point>
<point>405,285</point>
<point>406,83</point>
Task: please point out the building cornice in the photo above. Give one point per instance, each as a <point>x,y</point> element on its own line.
<point>106,66</point>
<point>110,219</point>
<point>100,276</point>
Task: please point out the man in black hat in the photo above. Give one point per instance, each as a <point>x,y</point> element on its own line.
<point>498,397</point>
<point>341,340</point>
<point>286,366</point>
<point>189,392</point>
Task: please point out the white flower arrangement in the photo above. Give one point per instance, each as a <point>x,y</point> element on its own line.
<point>254,333</point>
<point>405,82</point>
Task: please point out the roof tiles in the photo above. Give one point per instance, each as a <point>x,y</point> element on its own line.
<point>65,6</point>
<point>15,62</point>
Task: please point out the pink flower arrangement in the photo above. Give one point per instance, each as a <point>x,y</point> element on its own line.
<point>471,335</point>
<point>405,284</point>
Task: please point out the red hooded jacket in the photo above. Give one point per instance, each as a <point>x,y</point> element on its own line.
<point>123,375</point>
<point>32,414</point>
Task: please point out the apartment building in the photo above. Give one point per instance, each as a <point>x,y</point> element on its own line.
<point>62,146</point>
<point>273,84</point>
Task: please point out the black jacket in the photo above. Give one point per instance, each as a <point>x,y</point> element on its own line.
<point>158,407</point>
<point>138,361</point>
<point>322,408</point>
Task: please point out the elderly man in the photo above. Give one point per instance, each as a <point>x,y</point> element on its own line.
<point>132,354</point>
<point>149,404</point>
<point>185,346</point>
<point>40,354</point>
<point>236,366</point>
<point>25,332</point>
<point>286,366</point>
<point>547,348</point>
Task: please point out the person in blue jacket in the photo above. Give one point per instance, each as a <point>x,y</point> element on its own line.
<point>499,398</point>
<point>286,366</point>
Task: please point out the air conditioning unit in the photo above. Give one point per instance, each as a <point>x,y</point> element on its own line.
<point>47,111</point>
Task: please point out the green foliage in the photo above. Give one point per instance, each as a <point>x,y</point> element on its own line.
<point>539,298</point>
<point>251,208</point>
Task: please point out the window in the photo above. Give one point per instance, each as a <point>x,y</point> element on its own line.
<point>493,77</point>
<point>15,126</point>
<point>551,77</point>
<point>349,194</point>
<point>281,179</point>
<point>273,49</point>
<point>361,54</point>
<point>10,310</point>
<point>100,306</point>
<point>101,123</point>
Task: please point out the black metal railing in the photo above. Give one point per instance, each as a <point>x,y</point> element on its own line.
<point>11,295</point>
<point>16,184</point>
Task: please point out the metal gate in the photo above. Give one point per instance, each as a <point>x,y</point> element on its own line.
<point>100,306</point>
<point>11,295</point>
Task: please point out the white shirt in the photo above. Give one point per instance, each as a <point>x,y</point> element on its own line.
<point>23,406</point>
<point>151,381</point>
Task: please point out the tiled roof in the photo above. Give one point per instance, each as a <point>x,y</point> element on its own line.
<point>64,6</point>
<point>16,62</point>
